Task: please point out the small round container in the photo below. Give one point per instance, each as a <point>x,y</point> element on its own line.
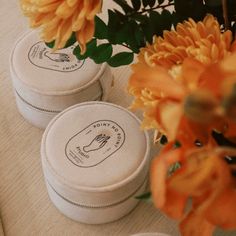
<point>46,82</point>
<point>95,160</point>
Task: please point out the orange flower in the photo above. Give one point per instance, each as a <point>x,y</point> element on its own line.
<point>186,85</point>
<point>202,41</point>
<point>161,92</point>
<point>185,102</point>
<point>59,18</point>
<point>205,178</point>
<point>157,111</point>
<point>168,80</point>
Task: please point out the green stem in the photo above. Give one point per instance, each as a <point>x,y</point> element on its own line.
<point>157,7</point>
<point>225,14</point>
<point>144,10</point>
<point>125,45</point>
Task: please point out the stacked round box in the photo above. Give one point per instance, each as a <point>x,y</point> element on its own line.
<point>95,160</point>
<point>46,82</point>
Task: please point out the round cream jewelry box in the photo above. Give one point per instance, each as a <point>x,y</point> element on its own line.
<point>46,82</point>
<point>95,160</point>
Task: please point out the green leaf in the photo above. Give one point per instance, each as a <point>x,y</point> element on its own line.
<point>161,21</point>
<point>174,19</point>
<point>148,30</point>
<point>113,25</point>
<point>122,34</point>
<point>213,2</point>
<point>118,28</point>
<point>177,144</point>
<point>133,35</point>
<point>91,46</point>
<point>77,53</point>
<point>160,1</point>
<point>50,44</point>
<point>140,18</point>
<point>69,42</point>
<point>155,21</point>
<point>156,24</point>
<point>120,59</point>
<point>173,168</point>
<point>102,53</point>
<point>146,196</point>
<point>100,29</point>
<point>151,3</point>
<point>163,140</point>
<point>145,3</point>
<point>194,9</point>
<point>136,4</point>
<point>166,19</point>
<point>123,4</point>
<point>155,16</point>
<point>139,37</point>
<point>120,15</point>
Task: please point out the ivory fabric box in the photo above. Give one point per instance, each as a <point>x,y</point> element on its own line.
<point>95,160</point>
<point>46,82</point>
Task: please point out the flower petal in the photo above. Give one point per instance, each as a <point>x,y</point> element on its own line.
<point>158,173</point>
<point>195,225</point>
<point>222,211</point>
<point>55,15</point>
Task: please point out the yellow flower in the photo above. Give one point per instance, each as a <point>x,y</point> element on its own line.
<point>59,18</point>
<point>202,41</point>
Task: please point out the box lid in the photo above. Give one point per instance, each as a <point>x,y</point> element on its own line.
<point>50,72</point>
<point>96,147</point>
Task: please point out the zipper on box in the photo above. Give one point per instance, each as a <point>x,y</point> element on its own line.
<point>43,109</point>
<point>99,206</point>
<point>35,107</point>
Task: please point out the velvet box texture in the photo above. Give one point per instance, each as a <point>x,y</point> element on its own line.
<point>95,160</point>
<point>46,82</point>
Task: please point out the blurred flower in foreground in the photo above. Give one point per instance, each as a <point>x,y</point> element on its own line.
<point>60,18</point>
<point>202,41</point>
<point>186,85</point>
<point>204,178</point>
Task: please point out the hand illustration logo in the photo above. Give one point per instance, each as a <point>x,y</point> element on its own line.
<point>97,143</point>
<point>57,57</point>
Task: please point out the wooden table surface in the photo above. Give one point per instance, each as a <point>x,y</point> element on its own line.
<point>25,208</point>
